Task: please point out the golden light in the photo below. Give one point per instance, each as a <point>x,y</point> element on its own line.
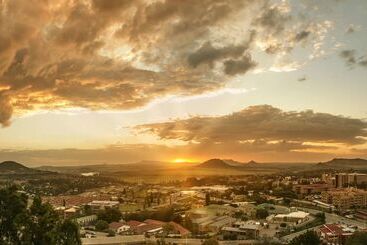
<point>182,160</point>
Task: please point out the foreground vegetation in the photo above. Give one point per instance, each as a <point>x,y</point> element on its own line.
<point>37,224</point>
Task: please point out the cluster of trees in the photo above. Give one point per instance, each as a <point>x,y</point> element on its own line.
<point>165,214</point>
<point>307,238</point>
<point>35,225</point>
<point>262,213</point>
<point>107,216</point>
<point>358,238</point>
<point>61,184</point>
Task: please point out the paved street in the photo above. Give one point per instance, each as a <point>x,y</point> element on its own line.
<point>334,218</point>
<point>113,240</point>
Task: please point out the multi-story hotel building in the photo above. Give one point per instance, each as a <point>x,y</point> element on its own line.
<point>349,179</point>
<point>345,198</point>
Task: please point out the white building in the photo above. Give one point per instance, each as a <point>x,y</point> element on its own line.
<point>296,218</point>
<point>95,205</point>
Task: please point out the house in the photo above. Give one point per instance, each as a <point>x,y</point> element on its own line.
<point>179,230</point>
<point>70,212</point>
<point>119,227</point>
<point>134,223</point>
<point>98,205</point>
<point>242,230</point>
<point>152,221</point>
<point>148,229</point>
<point>335,234</point>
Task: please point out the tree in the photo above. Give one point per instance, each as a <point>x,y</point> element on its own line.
<point>211,241</point>
<point>110,215</point>
<point>358,238</point>
<point>261,213</point>
<point>36,225</point>
<point>308,238</point>
<point>68,233</point>
<point>167,229</point>
<point>87,210</point>
<point>111,233</point>
<point>44,222</point>
<point>13,215</point>
<point>321,216</point>
<point>207,198</point>
<point>287,201</point>
<point>101,225</point>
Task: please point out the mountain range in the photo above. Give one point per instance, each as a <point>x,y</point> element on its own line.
<point>344,163</point>
<point>212,165</point>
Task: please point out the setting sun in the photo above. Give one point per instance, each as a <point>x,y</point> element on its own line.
<point>181,160</point>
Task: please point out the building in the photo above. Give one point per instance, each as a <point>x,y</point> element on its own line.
<point>349,179</point>
<point>345,198</point>
<point>178,230</point>
<point>86,220</point>
<point>90,174</point>
<point>361,214</point>
<point>334,234</point>
<point>328,179</point>
<point>294,218</point>
<point>71,212</point>
<point>98,205</point>
<point>119,227</point>
<point>304,190</point>
<point>212,223</point>
<point>242,230</point>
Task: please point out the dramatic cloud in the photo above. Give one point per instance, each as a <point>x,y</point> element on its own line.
<point>5,110</point>
<point>263,123</point>
<point>125,54</point>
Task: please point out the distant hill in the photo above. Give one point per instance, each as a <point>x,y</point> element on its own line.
<point>215,163</point>
<point>233,163</point>
<point>252,163</point>
<point>114,168</point>
<point>11,168</point>
<point>356,163</point>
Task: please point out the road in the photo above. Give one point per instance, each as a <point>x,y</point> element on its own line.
<point>200,241</point>
<point>334,218</point>
<point>113,240</point>
<point>289,237</point>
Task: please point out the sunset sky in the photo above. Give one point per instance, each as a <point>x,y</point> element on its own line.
<point>119,81</point>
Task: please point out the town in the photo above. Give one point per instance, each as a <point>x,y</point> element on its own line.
<point>330,207</point>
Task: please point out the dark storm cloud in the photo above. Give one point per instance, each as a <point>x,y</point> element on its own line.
<point>239,66</point>
<point>302,35</point>
<point>264,123</point>
<point>273,19</point>
<point>207,54</point>
<point>351,59</point>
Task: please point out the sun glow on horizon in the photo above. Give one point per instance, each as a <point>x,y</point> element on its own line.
<point>182,160</point>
